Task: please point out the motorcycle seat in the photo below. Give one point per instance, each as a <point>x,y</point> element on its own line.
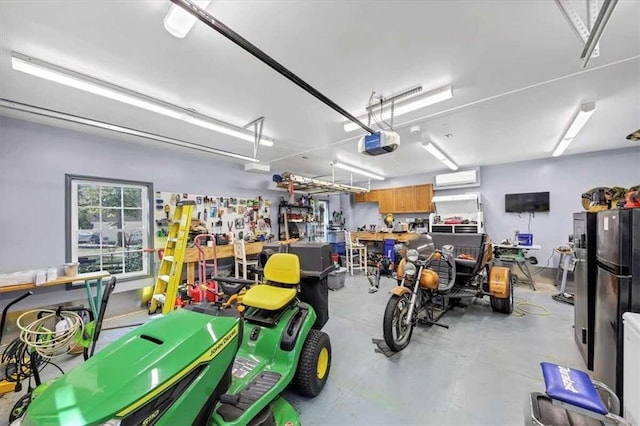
<point>466,263</point>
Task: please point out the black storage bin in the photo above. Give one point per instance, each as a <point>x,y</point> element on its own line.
<point>315,263</point>
<point>315,292</point>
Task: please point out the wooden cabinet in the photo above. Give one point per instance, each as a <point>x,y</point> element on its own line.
<point>404,199</point>
<point>385,200</point>
<point>366,197</point>
<point>424,195</point>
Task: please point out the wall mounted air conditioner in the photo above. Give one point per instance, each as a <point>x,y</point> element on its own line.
<point>458,179</point>
<point>257,168</point>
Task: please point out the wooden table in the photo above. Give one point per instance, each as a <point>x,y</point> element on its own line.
<point>400,237</point>
<point>222,252</point>
<point>88,278</point>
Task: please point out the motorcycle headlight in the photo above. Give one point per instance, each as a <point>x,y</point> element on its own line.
<point>412,255</point>
<point>410,270</point>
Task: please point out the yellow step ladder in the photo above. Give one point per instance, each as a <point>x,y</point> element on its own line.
<point>170,271</point>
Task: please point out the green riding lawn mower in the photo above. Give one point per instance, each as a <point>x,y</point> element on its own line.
<point>207,364</point>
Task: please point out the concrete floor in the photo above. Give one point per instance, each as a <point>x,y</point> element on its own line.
<point>478,372</point>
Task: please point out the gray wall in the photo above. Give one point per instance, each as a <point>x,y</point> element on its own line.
<point>564,177</point>
<point>34,159</point>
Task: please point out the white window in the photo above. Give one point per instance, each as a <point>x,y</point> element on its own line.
<point>109,226</point>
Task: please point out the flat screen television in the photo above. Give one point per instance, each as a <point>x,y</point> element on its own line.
<point>529,202</point>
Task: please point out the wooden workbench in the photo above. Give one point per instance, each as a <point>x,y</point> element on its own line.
<point>400,237</point>
<point>90,276</point>
<point>222,252</point>
<point>88,279</point>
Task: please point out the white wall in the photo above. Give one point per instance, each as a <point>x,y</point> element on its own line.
<point>566,178</point>
<point>34,159</point>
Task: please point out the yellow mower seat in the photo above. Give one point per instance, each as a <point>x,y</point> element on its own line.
<point>283,269</point>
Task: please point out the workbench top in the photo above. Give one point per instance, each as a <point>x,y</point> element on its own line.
<point>224,251</point>
<point>89,276</point>
<point>400,237</point>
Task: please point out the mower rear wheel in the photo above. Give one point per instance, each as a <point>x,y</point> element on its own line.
<point>314,364</point>
<point>505,305</point>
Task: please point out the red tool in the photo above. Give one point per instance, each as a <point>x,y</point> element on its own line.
<point>632,199</point>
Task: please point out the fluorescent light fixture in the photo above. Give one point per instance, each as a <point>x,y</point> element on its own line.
<point>433,150</point>
<point>69,78</point>
<point>83,82</point>
<point>221,128</point>
<point>357,170</point>
<point>17,106</point>
<point>578,122</point>
<point>403,107</point>
<point>179,22</point>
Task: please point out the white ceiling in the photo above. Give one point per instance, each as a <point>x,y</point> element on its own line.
<point>514,66</point>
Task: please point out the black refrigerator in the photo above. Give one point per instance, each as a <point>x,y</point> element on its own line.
<point>584,279</point>
<point>617,290</point>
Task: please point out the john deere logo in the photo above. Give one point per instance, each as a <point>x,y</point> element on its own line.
<point>151,418</point>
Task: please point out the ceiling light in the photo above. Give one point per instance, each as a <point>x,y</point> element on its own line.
<point>5,103</point>
<point>433,150</point>
<point>579,120</point>
<point>357,170</point>
<point>79,81</point>
<point>178,22</point>
<point>402,107</point>
<point>222,128</point>
<point>68,78</point>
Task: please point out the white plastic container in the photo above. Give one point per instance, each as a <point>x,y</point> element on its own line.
<point>52,274</point>
<point>631,367</point>
<point>71,269</point>
<point>41,277</point>
<point>14,278</point>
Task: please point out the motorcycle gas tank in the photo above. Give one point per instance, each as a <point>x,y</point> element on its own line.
<point>429,279</point>
<point>135,369</point>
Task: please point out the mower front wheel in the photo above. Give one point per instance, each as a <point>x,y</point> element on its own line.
<point>314,364</point>
<point>505,305</point>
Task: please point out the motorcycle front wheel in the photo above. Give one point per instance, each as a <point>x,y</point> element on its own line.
<point>396,327</point>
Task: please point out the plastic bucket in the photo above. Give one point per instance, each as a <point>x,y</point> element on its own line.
<point>389,249</point>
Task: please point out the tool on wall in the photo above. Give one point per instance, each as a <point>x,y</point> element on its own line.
<point>633,199</point>
<point>170,271</point>
<point>604,198</point>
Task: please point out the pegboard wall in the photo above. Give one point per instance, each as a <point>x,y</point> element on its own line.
<point>220,215</point>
